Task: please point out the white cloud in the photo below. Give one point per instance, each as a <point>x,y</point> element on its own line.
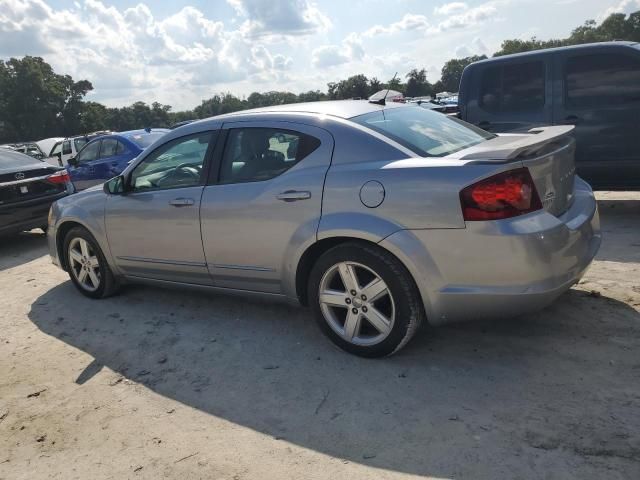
<point>624,6</point>
<point>280,17</point>
<point>472,16</point>
<point>450,8</point>
<point>409,22</point>
<point>126,51</point>
<point>349,50</point>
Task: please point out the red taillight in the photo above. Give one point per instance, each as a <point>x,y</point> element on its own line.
<point>504,195</point>
<point>59,177</point>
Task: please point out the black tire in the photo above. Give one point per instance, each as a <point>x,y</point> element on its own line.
<point>409,310</point>
<point>108,284</point>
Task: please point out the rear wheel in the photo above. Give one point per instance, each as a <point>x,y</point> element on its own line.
<point>364,300</point>
<point>87,267</point>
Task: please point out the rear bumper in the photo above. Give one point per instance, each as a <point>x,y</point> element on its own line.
<point>17,217</point>
<point>501,268</point>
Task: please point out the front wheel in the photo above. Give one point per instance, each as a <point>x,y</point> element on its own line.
<point>87,267</point>
<point>364,300</point>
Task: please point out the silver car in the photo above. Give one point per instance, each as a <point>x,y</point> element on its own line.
<point>378,217</point>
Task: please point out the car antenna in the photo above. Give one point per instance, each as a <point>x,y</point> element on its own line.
<point>382,101</point>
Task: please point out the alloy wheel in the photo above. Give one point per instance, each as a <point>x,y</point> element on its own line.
<point>84,264</point>
<point>356,303</point>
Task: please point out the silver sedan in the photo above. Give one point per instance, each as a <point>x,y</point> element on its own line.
<point>377,217</point>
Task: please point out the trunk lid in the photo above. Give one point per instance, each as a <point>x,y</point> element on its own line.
<point>548,153</point>
<point>27,184</point>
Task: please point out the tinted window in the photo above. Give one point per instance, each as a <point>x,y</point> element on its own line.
<point>143,140</point>
<point>89,153</point>
<point>120,149</point>
<point>428,133</point>
<point>598,80</point>
<point>256,154</point>
<point>109,147</point>
<point>178,163</point>
<point>66,147</point>
<point>513,87</point>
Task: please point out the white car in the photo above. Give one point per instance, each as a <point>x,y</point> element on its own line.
<point>46,144</point>
<point>64,149</point>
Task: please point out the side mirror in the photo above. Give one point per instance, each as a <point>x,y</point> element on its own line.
<point>115,186</point>
<point>73,161</point>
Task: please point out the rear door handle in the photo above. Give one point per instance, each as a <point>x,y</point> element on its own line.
<point>293,195</point>
<point>182,202</point>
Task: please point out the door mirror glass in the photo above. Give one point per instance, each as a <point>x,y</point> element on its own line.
<point>115,186</point>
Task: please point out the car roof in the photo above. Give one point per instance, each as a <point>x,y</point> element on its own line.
<point>336,108</point>
<point>550,51</point>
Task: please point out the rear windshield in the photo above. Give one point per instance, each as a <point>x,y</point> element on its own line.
<point>9,159</point>
<point>427,133</point>
<point>143,140</point>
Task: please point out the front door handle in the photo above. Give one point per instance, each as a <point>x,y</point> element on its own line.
<point>182,202</point>
<point>293,195</point>
<point>572,120</point>
<point>484,125</point>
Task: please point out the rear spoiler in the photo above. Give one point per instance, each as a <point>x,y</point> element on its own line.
<point>511,146</point>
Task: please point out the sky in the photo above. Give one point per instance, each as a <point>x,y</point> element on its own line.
<point>184,51</point>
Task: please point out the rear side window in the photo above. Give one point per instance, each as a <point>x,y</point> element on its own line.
<point>513,87</point>
<point>257,154</point>
<point>601,80</point>
<point>66,147</point>
<point>109,147</point>
<point>428,133</point>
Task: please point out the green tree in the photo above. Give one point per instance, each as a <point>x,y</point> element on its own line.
<point>417,84</point>
<point>452,71</point>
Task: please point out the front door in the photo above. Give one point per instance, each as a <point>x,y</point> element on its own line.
<point>82,173</point>
<point>154,228</point>
<point>266,203</point>
<point>599,93</point>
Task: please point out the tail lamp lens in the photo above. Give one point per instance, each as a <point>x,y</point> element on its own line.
<point>507,194</point>
<point>59,177</point>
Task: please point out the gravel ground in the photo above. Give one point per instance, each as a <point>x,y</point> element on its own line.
<point>171,384</point>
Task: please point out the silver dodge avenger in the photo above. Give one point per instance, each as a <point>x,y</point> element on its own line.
<point>377,217</point>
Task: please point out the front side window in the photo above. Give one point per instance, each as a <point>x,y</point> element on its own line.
<point>178,163</point>
<point>601,80</point>
<point>513,87</point>
<point>257,154</point>
<point>109,147</point>
<point>427,133</point>
<point>89,153</point>
<point>57,148</point>
<point>66,147</point>
<point>79,143</point>
<point>120,149</point>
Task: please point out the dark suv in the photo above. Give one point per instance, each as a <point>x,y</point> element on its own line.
<point>595,87</point>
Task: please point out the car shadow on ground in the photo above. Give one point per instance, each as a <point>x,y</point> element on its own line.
<point>620,224</point>
<point>22,248</point>
<point>559,381</point>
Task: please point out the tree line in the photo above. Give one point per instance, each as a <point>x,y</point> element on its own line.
<point>36,102</point>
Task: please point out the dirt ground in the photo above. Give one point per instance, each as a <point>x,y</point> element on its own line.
<point>171,384</point>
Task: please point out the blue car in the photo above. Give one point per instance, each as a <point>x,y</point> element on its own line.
<point>107,156</point>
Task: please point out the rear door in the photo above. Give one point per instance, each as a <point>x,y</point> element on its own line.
<point>598,91</point>
<point>264,203</point>
<point>510,96</point>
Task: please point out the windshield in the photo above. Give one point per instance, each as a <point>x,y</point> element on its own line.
<point>143,140</point>
<point>426,132</point>
<point>80,142</point>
